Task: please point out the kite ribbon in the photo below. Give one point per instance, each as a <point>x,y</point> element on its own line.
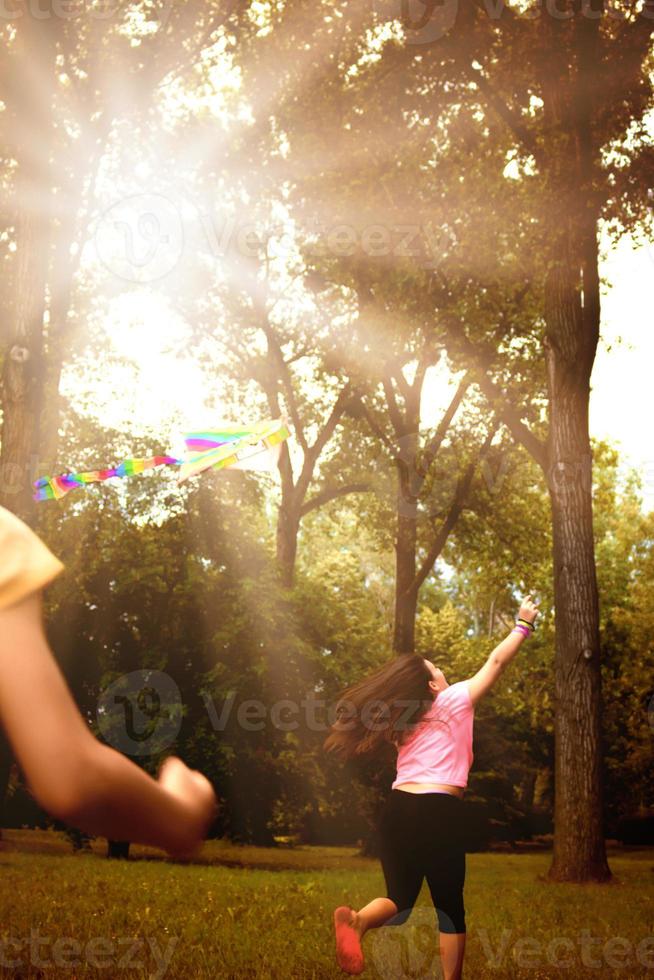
<point>254,447</point>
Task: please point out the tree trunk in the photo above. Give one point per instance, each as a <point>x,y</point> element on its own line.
<point>62,278</point>
<point>31,110</point>
<point>22,366</point>
<point>288,528</point>
<point>118,849</point>
<point>579,850</point>
<point>408,487</point>
<point>406,596</point>
<point>491,618</point>
<point>572,317</point>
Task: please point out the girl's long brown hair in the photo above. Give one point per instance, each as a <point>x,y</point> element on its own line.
<point>384,707</point>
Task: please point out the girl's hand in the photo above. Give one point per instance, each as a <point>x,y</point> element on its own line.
<point>528,610</point>
<point>197,793</point>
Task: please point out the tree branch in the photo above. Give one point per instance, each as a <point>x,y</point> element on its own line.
<point>331,493</point>
<point>458,502</point>
<point>401,381</point>
<point>508,412</point>
<point>377,429</point>
<point>423,364</point>
<point>510,415</point>
<point>284,465</point>
<point>507,114</point>
<point>313,452</point>
<point>285,378</point>
<point>393,409</point>
<point>431,450</point>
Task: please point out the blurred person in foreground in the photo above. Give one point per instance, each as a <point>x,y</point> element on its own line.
<point>70,773</point>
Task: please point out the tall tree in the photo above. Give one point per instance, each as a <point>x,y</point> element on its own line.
<point>579,121</point>
<point>497,86</point>
<point>418,548</point>
<point>31,106</point>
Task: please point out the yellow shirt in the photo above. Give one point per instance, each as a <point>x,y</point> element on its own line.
<point>25,563</point>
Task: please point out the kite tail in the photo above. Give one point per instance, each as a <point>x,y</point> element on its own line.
<point>254,447</point>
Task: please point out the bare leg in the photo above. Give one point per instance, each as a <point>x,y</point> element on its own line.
<point>373,915</point>
<point>452,947</point>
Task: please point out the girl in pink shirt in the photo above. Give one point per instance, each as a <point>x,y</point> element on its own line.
<point>409,703</point>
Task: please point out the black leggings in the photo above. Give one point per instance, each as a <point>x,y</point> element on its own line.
<point>422,836</point>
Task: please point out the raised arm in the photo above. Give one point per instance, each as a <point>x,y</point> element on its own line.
<point>502,655</point>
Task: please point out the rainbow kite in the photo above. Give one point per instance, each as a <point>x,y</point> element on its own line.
<point>255,447</point>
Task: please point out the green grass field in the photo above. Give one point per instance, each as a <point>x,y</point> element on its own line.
<point>246,912</point>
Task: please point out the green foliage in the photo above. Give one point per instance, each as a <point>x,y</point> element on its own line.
<point>195,593</point>
<point>441,636</point>
<point>628,659</point>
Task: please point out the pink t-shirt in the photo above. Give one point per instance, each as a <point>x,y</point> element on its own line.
<point>440,749</point>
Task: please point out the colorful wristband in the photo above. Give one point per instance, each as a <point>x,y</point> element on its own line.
<point>525,622</point>
<point>521,629</point>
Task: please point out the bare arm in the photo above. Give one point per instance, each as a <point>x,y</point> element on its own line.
<point>502,655</point>
<point>71,774</point>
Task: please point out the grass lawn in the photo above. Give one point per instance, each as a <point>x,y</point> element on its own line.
<point>243,912</point>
